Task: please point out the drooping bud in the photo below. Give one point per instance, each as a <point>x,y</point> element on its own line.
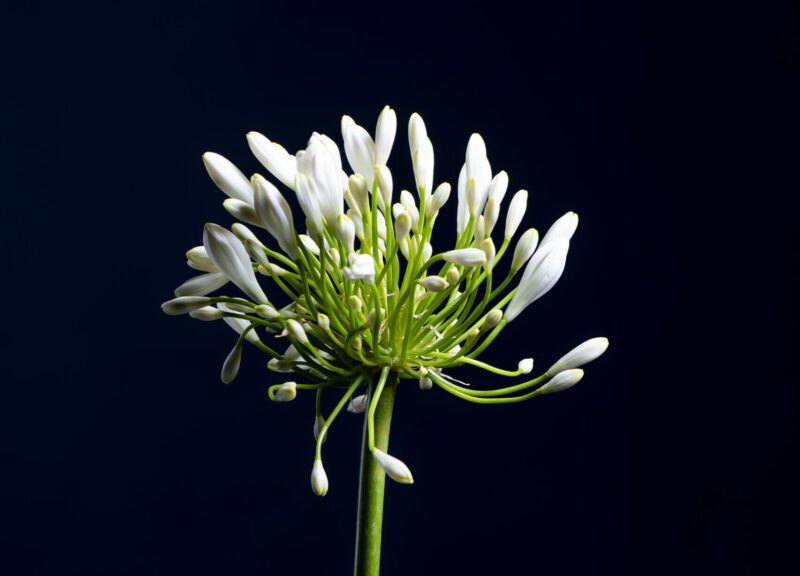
<point>319,480</point>
<point>425,383</point>
<point>274,157</point>
<point>580,355</point>
<point>358,404</point>
<point>394,468</point>
<point>241,210</point>
<point>230,368</point>
<point>562,381</point>
<point>286,392</point>
<point>229,255</point>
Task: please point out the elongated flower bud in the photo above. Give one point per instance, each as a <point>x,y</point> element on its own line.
<point>358,404</point>
<point>202,284</point>
<point>434,284</point>
<point>229,255</point>
<point>492,319</point>
<point>358,188</point>
<point>267,311</point>
<point>274,157</point>
<point>228,177</point>
<point>274,214</point>
<point>516,211</point>
<point>438,200</point>
<point>488,248</point>
<point>402,226</point>
<point>466,257</point>
<point>384,135</point>
<point>240,210</point>
<point>562,229</point>
<point>286,392</point>
<point>498,187</point>
<point>319,480</point>
<point>525,248</point>
<point>580,355</point>
<point>394,468</point>
<point>184,304</point>
<point>309,203</point>
<point>230,368</point>
<point>491,213</point>
<point>295,329</point>
<point>385,184</point>
<point>562,381</point>
<point>542,272</point>
<point>207,314</point>
<point>198,259</point>
<point>346,231</point>
<point>237,324</point>
<point>480,229</point>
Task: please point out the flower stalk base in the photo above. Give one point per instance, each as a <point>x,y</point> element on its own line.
<point>372,481</point>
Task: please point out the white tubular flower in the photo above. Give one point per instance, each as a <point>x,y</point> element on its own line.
<point>542,272</point>
<point>309,203</point>
<point>240,210</point>
<point>525,365</point>
<point>516,211</point>
<point>384,135</point>
<point>562,381</point>
<point>359,148</point>
<point>394,468</point>
<point>499,187</point>
<point>346,231</point>
<point>228,177</point>
<point>321,163</point>
<point>206,314</point>
<point>184,304</point>
<point>434,284</point>
<point>580,355</point>
<point>466,257</point>
<point>491,213</point>
<point>402,226</point>
<point>319,480</point>
<point>198,259</point>
<point>563,228</point>
<point>479,172</point>
<point>358,404</point>
<point>274,157</point>
<point>237,324</point>
<point>274,214</point>
<point>296,330</point>
<point>487,246</point>
<point>286,392</point>
<point>229,255</point>
<point>362,266</point>
<point>202,284</point>
<point>526,246</point>
<point>425,383</point>
<point>384,177</point>
<point>230,368</point>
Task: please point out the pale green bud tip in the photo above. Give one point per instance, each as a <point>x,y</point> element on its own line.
<point>425,383</point>
<point>324,322</point>
<point>580,355</point>
<point>184,304</point>
<point>295,329</point>
<point>466,257</point>
<point>207,314</point>
<point>492,319</point>
<point>394,468</point>
<point>562,381</point>
<point>452,276</point>
<point>286,392</point>
<point>319,480</point>
<point>434,283</point>
<point>525,365</point>
<point>355,303</point>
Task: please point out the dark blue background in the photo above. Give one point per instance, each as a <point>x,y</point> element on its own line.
<point>670,128</point>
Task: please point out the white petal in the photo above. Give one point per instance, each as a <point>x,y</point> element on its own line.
<point>516,211</point>
<point>580,355</point>
<point>207,314</point>
<point>274,157</point>
<point>434,283</point>
<point>241,210</point>
<point>562,381</point>
<point>238,324</point>
<point>394,468</point>
<point>309,202</point>
<point>542,272</point>
<point>228,177</point>
<point>358,147</point>
<point>274,214</point>
<point>499,186</point>
<point>229,255</point>
<point>563,228</point>
<point>466,256</point>
<point>384,135</point>
<point>526,245</point>
<point>202,284</point>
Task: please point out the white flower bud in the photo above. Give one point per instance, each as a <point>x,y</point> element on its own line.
<point>358,188</point>
<point>525,365</point>
<point>184,304</point>
<point>286,392</point>
<point>229,255</point>
<point>309,243</point>
<point>274,157</point>
<point>394,468</point>
<point>402,226</point>
<point>516,211</point>
<point>434,284</point>
<point>362,266</point>
<point>427,251</point>
<point>237,324</point>
<point>324,322</point>
<point>346,231</point>
<point>228,177</point>
<point>241,210</point>
<point>562,381</point>
<point>563,229</point>
<point>198,259</point>
<point>580,355</point>
<point>438,200</point>
<point>355,303</point>
<point>384,135</point>
<point>385,184</point>
<point>319,480</point>
<point>480,229</point>
<point>425,383</point>
<point>452,276</point>
<point>355,218</point>
<point>358,147</point>
<point>267,311</point>
<point>407,200</point>
<point>358,404</point>
<point>207,314</point>
<point>202,284</point>
<point>542,272</point>
<point>295,329</point>
<point>230,368</point>
<point>526,246</point>
<point>491,213</point>
<point>274,214</point>
<point>498,187</point>
<point>488,248</point>
<point>465,257</point>
<point>492,319</point>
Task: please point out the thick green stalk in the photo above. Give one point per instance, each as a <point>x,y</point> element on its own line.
<point>371,486</point>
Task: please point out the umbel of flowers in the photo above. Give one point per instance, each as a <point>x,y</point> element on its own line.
<point>359,297</point>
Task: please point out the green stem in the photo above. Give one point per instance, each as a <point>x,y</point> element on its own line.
<point>371,485</point>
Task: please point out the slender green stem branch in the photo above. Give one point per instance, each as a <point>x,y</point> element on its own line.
<point>371,484</point>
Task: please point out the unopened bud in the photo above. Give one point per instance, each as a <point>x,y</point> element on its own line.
<point>324,322</point>
<point>355,303</point>
<point>184,304</point>
<point>358,404</point>
<point>295,329</point>
<point>452,276</point>
<point>207,314</point>
<point>562,381</point>
<point>434,283</point>
<point>394,468</point>
<point>525,365</point>
<point>492,319</point>
<point>580,355</point>
<point>286,392</point>
<point>425,383</point>
<point>319,480</point>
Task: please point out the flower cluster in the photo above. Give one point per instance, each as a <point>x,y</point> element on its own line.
<point>366,296</point>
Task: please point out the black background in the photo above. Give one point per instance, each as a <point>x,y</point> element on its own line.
<point>670,128</point>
